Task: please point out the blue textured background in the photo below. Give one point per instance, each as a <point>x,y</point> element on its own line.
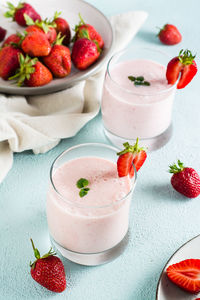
<point>161,219</point>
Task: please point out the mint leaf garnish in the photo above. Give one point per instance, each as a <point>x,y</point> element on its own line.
<point>82,182</point>
<point>83,192</point>
<point>139,80</point>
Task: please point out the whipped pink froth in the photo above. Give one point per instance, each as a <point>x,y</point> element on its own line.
<point>106,187</point>
<point>131,111</point>
<point>97,221</point>
<point>152,72</point>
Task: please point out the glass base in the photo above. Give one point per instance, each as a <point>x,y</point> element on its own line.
<point>152,144</point>
<point>92,259</point>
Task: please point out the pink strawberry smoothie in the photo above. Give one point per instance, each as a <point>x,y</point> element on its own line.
<point>131,111</point>
<point>99,220</point>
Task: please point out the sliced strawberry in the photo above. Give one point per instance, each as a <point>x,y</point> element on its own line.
<point>174,68</point>
<point>186,274</point>
<point>124,164</point>
<point>129,156</point>
<point>187,73</point>
<point>184,65</point>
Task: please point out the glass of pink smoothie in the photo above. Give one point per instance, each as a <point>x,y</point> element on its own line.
<point>92,229</point>
<point>133,108</point>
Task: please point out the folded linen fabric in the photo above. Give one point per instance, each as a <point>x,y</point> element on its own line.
<point>39,122</point>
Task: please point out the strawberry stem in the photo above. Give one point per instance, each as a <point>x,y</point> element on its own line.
<point>37,254</point>
<point>176,169</point>
<point>36,251</point>
<point>186,57</point>
<point>133,149</point>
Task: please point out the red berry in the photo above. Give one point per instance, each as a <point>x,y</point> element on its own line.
<point>129,156</point>
<point>2,33</point>
<point>186,181</point>
<point>186,275</point>
<point>84,30</point>
<point>17,13</point>
<point>169,35</point>
<point>84,53</point>
<point>48,271</point>
<point>183,65</point>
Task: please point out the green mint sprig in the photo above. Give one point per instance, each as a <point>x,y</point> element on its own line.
<point>139,80</point>
<point>82,184</point>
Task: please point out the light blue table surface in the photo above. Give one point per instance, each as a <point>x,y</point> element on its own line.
<point>161,220</point>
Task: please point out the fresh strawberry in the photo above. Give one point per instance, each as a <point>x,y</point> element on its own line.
<point>169,35</point>
<point>12,39</point>
<point>185,180</point>
<point>84,30</point>
<point>45,26</point>
<point>183,64</point>
<point>59,59</point>
<point>9,61</point>
<point>32,72</point>
<point>17,13</point>
<point>84,53</point>
<point>48,271</point>
<point>36,44</point>
<point>2,33</point>
<point>63,27</point>
<point>186,274</point>
<point>129,156</point>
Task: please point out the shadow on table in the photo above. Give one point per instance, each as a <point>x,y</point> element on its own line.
<point>165,192</point>
<point>149,36</point>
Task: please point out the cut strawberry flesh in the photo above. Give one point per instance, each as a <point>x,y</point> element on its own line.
<point>174,67</point>
<point>124,164</point>
<point>187,73</point>
<point>186,275</point>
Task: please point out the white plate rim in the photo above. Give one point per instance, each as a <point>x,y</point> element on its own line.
<point>163,270</point>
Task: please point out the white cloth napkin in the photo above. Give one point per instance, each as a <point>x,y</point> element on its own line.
<point>39,122</point>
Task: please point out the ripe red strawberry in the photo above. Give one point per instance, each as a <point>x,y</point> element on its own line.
<point>183,64</point>
<point>129,156</point>
<point>84,53</point>
<point>48,271</point>
<point>169,35</point>
<point>186,274</point>
<point>63,27</point>
<point>36,44</point>
<point>59,59</point>
<point>45,26</point>
<point>2,33</point>
<point>32,72</point>
<point>17,13</point>
<point>9,61</point>
<point>13,38</point>
<point>84,30</point>
<point>185,180</point>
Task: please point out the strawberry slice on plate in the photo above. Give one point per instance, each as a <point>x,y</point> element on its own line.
<point>186,275</point>
<point>183,65</point>
<point>130,155</point>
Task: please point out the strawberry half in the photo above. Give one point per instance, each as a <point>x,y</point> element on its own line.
<point>129,156</point>
<point>184,65</point>
<point>186,275</point>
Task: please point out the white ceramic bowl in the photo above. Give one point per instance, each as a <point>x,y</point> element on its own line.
<point>70,10</point>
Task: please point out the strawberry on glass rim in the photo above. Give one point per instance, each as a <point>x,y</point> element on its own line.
<point>183,65</point>
<point>130,155</point>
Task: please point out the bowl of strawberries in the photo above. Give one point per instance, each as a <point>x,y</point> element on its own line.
<point>46,49</point>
